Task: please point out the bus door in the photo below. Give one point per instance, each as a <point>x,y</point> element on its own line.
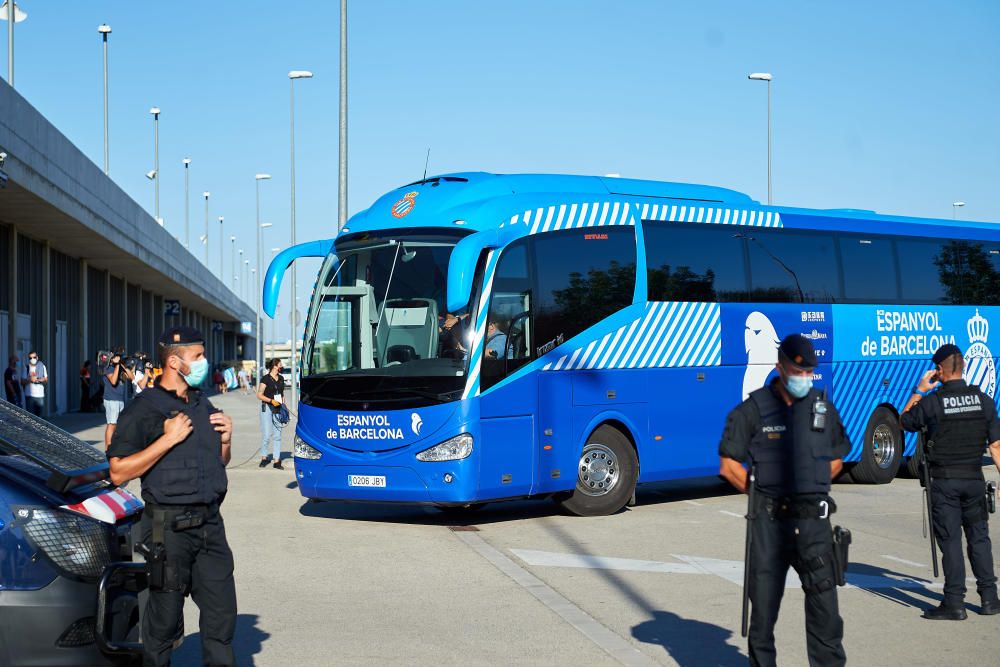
<point>557,449</point>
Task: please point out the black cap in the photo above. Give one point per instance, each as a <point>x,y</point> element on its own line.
<point>945,351</point>
<point>181,336</point>
<point>798,350</point>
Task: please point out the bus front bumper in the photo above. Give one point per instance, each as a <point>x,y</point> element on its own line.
<point>446,482</point>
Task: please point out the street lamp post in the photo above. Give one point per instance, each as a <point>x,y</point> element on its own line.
<point>766,76</point>
<point>342,170</point>
<point>274,321</point>
<point>187,205</point>
<point>232,260</point>
<point>256,300</point>
<point>292,76</point>
<point>12,14</point>
<point>206,195</point>
<point>954,209</point>
<point>156,159</point>
<point>222,246</point>
<point>246,272</point>
<point>105,30</point>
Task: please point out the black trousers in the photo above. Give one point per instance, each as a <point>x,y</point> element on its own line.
<point>807,546</point>
<point>199,563</point>
<point>957,505</point>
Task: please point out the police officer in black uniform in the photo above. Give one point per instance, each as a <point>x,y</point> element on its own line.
<point>793,438</point>
<point>179,444</point>
<point>960,421</point>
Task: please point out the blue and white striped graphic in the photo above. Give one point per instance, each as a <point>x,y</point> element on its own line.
<point>479,334</point>
<point>710,215</point>
<point>855,399</point>
<point>666,335</point>
<point>573,216</point>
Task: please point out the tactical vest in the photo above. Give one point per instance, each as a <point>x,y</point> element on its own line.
<point>791,458</point>
<point>192,473</point>
<point>961,434</point>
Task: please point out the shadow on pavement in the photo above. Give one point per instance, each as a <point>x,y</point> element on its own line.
<point>690,643</point>
<point>247,643</point>
<point>509,510</point>
<point>858,573</point>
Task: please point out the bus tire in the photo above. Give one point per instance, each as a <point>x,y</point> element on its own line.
<point>882,449</point>
<point>606,474</point>
<point>912,465</point>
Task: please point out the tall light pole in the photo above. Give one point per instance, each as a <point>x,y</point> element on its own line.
<point>105,30</point>
<point>954,209</point>
<point>187,205</point>
<point>239,276</point>
<point>274,321</point>
<point>292,76</point>
<point>232,260</point>
<point>258,272</point>
<point>155,111</point>
<point>12,14</point>
<point>342,193</point>
<point>256,300</point>
<point>766,76</point>
<point>206,195</point>
<point>222,246</point>
<point>246,272</point>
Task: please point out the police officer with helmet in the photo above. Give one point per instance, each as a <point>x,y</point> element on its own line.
<point>179,444</point>
<point>960,420</point>
<point>793,440</point>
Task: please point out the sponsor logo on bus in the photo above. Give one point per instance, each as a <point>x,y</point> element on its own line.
<point>813,316</point>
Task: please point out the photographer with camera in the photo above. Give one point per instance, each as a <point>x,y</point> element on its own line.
<point>116,378</point>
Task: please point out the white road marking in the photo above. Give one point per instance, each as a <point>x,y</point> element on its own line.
<point>730,570</point>
<point>693,502</point>
<point>903,561</point>
<point>610,642</point>
<point>728,513</point>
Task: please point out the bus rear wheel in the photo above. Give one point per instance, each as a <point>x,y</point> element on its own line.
<point>882,451</point>
<point>606,474</point>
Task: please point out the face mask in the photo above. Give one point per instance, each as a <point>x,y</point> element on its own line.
<point>199,369</point>
<point>798,385</point>
<point>32,361</point>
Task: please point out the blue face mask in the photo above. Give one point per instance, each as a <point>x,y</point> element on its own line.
<point>798,385</point>
<point>199,370</point>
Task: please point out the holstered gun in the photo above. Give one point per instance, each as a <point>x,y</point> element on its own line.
<point>925,481</point>
<point>991,497</point>
<point>156,553</point>
<point>747,546</point>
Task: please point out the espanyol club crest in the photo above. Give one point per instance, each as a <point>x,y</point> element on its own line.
<point>980,369</point>
<point>401,208</point>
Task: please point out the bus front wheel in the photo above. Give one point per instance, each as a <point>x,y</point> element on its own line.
<point>882,451</point>
<point>606,474</point>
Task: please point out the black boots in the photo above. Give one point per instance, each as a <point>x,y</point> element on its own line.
<point>944,613</point>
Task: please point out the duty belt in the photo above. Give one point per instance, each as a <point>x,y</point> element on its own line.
<point>799,508</point>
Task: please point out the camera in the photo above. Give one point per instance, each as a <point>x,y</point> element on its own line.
<point>132,361</point>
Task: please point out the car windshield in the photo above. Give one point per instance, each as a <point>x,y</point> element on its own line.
<point>378,329</point>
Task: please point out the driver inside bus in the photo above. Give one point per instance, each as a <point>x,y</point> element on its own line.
<point>496,342</point>
<point>451,336</point>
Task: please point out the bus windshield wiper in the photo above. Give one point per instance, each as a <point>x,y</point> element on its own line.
<point>442,397</point>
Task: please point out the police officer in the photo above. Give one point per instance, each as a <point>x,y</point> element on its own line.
<point>960,421</point>
<point>179,444</point>
<point>793,438</point>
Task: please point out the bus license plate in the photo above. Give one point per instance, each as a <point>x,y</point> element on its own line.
<point>366,480</point>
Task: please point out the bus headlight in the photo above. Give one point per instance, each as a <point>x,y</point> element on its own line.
<point>451,449</point>
<point>303,450</point>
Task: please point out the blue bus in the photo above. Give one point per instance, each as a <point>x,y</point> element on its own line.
<point>475,337</point>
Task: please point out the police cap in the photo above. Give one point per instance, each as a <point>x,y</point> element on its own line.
<point>177,336</point>
<point>945,351</point>
<point>798,350</point>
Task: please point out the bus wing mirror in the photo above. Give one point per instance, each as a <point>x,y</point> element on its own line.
<point>462,267</point>
<point>280,264</point>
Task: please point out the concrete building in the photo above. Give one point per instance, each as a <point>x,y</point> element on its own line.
<point>87,268</point>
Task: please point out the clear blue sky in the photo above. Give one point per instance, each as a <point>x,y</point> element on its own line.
<point>890,106</point>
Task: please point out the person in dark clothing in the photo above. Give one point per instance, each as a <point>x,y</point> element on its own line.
<point>775,431</point>
<point>271,394</point>
<point>11,383</point>
<point>960,422</point>
<point>86,402</point>
<point>178,443</point>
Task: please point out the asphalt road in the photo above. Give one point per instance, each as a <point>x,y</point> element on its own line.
<point>520,583</point>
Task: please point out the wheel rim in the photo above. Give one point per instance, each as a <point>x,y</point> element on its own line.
<point>883,446</point>
<point>598,471</point>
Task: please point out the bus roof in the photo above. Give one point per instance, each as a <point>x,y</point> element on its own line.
<point>479,200</point>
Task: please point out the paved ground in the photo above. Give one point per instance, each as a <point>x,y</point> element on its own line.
<point>333,583</point>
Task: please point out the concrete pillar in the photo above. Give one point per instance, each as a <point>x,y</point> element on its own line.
<point>12,275</point>
<point>85,316</point>
<point>107,314</point>
<point>48,327</point>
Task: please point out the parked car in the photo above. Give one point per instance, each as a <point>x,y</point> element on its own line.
<point>62,527</point>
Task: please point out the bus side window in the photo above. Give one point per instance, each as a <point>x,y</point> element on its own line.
<point>508,321</point>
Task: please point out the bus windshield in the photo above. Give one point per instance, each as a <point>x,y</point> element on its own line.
<point>378,331</point>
